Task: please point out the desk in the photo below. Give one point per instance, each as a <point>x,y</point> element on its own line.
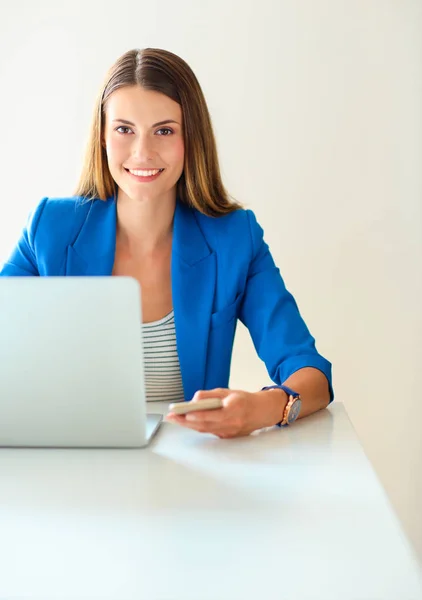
<point>292,514</point>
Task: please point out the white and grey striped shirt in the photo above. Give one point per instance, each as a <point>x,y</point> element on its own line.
<point>163,379</point>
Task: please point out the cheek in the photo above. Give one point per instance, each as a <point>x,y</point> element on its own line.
<point>178,152</point>
<point>116,148</point>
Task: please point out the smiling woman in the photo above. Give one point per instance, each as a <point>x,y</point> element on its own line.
<point>150,204</point>
<point>151,115</point>
<point>141,150</point>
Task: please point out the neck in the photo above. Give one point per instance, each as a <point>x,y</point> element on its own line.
<point>144,226</point>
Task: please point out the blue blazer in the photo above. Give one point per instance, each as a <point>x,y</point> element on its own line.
<point>222,270</point>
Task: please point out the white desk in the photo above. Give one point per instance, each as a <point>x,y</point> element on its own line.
<point>296,514</point>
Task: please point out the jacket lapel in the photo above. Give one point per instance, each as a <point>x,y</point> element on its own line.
<point>93,251</point>
<point>193,272</point>
<point>193,284</point>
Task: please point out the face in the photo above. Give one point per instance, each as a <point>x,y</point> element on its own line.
<point>144,143</point>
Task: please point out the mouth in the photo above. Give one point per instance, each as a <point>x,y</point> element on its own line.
<point>144,175</point>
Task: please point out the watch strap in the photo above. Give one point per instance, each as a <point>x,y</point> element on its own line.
<point>292,396</point>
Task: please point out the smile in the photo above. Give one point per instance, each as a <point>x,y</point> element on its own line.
<point>144,173</point>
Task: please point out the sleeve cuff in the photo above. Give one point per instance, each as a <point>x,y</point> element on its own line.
<point>295,363</point>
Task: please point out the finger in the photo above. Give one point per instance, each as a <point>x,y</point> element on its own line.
<point>180,420</point>
<point>171,416</point>
<point>234,399</point>
<point>221,431</point>
<point>215,393</point>
<point>217,415</point>
<point>200,412</point>
<point>232,403</point>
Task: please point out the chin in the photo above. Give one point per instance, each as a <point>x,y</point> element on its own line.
<point>146,196</point>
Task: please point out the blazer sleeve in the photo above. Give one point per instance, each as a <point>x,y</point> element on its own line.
<point>23,260</point>
<point>280,335</point>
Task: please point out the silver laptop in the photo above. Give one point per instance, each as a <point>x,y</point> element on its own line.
<point>71,364</point>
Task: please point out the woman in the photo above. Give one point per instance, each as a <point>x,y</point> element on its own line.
<point>151,204</point>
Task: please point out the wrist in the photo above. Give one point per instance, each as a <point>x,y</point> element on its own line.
<point>271,405</point>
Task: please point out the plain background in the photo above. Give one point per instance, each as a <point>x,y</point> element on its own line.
<point>317,109</point>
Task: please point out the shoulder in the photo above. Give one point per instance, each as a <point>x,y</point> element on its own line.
<point>51,207</point>
<point>67,205</point>
<point>48,208</point>
<point>237,229</point>
<point>56,215</point>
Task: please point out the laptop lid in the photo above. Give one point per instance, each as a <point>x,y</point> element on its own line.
<point>71,368</point>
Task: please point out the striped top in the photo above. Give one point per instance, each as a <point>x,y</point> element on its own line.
<point>163,379</point>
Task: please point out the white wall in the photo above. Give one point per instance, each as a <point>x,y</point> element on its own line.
<point>317,111</point>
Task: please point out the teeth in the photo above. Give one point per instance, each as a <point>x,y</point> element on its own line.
<point>145,173</point>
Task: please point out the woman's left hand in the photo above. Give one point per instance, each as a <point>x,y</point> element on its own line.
<point>242,413</point>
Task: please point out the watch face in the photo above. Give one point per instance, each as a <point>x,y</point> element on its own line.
<point>294,411</point>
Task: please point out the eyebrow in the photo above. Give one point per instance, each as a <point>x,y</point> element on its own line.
<point>155,124</point>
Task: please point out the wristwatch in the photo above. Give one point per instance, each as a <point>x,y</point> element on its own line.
<point>293,406</point>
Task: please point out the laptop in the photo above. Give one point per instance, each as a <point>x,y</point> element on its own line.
<point>71,363</point>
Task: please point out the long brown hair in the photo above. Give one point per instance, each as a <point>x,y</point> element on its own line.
<point>200,184</point>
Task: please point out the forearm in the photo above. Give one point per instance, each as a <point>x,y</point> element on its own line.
<point>310,383</point>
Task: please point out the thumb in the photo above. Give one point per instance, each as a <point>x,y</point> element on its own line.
<point>214,393</point>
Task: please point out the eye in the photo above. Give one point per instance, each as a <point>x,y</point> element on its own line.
<point>122,127</point>
<point>164,129</point>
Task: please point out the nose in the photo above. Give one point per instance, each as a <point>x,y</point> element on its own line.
<point>143,148</point>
